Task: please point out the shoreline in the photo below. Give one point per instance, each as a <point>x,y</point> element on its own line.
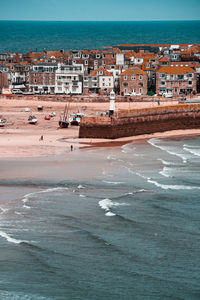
<point>59,148</point>
<point>18,139</point>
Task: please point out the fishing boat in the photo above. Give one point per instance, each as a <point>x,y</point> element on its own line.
<point>75,119</point>
<point>189,101</point>
<point>47,118</point>
<point>2,121</point>
<point>40,107</point>
<point>64,123</point>
<point>32,119</point>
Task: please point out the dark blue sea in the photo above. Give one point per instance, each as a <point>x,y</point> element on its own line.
<point>107,223</point>
<point>21,36</point>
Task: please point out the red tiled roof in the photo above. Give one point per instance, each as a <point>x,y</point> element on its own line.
<point>105,72</point>
<point>133,71</point>
<point>164,59</point>
<point>176,70</point>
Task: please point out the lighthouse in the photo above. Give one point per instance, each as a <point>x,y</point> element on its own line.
<point>112,103</point>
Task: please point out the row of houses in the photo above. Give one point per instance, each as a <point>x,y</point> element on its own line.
<point>125,71</point>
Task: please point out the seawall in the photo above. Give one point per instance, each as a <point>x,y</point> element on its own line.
<point>141,121</point>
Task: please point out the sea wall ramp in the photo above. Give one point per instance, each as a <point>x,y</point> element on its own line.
<point>141,121</point>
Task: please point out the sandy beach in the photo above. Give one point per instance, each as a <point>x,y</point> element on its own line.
<point>20,139</point>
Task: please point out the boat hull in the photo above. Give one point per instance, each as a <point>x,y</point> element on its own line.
<point>63,124</point>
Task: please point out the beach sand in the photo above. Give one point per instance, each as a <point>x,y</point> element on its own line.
<point>20,139</point>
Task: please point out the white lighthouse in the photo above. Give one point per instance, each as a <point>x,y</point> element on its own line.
<point>112,103</point>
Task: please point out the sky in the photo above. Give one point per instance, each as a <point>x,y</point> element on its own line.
<point>99,10</point>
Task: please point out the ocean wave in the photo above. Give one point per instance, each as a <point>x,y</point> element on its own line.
<point>107,204</point>
<point>167,149</point>
<point>113,182</point>
<point>167,163</point>
<point>172,187</point>
<point>27,197</point>
<point>80,186</point>
<point>82,196</point>
<point>194,151</point>
<point>3,210</point>
<point>10,239</point>
<point>166,172</point>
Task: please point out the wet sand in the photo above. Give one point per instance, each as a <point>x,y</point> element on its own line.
<point>20,139</point>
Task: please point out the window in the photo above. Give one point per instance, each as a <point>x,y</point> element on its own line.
<point>103,84</point>
<point>180,76</point>
<point>162,82</point>
<point>140,91</point>
<point>96,62</point>
<point>162,75</point>
<point>189,75</point>
<point>141,77</point>
<point>85,78</point>
<point>35,80</point>
<point>125,77</point>
<point>133,77</point>
<point>86,84</point>
<point>125,83</point>
<point>190,82</point>
<point>86,62</point>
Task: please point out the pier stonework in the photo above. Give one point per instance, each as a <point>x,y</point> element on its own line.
<point>141,121</point>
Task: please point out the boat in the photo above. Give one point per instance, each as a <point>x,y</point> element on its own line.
<point>52,114</point>
<point>2,121</point>
<point>32,119</point>
<point>47,118</point>
<point>190,101</point>
<point>75,119</point>
<point>40,108</point>
<point>63,123</point>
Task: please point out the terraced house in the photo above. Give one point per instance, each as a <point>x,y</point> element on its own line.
<point>133,82</point>
<point>176,80</point>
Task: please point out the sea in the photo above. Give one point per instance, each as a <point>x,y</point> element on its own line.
<point>103,223</point>
<point>23,36</point>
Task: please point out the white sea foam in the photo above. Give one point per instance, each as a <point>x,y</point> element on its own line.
<point>27,197</point>
<point>10,239</point>
<point>166,172</point>
<point>107,204</point>
<point>167,149</point>
<point>80,187</point>
<point>110,214</point>
<point>194,151</point>
<point>3,210</point>
<point>113,182</point>
<point>167,163</point>
<point>172,187</point>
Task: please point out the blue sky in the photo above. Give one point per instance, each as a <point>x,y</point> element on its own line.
<point>99,10</point>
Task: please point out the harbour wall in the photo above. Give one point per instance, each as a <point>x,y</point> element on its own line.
<point>141,121</point>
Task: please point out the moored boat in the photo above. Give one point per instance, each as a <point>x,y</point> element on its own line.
<point>75,119</point>
<point>64,123</point>
<point>32,119</point>
<point>2,121</point>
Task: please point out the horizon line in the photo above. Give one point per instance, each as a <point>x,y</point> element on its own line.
<point>153,20</point>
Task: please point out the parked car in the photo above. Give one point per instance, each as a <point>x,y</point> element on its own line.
<point>167,95</point>
<point>17,91</point>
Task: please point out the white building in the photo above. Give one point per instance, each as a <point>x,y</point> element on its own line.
<point>69,79</point>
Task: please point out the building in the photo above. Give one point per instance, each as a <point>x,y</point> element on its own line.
<point>42,78</point>
<point>176,80</point>
<point>69,79</point>
<point>133,82</point>
<point>105,80</point>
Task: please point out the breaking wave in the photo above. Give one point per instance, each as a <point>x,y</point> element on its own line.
<point>107,204</point>
<point>167,149</point>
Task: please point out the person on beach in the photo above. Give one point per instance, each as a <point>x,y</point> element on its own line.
<point>41,138</point>
<point>71,147</point>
